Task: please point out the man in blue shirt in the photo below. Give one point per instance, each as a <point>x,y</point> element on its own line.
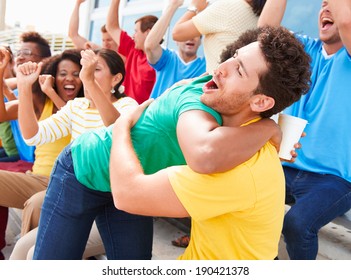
<point>172,66</point>
<point>318,184</point>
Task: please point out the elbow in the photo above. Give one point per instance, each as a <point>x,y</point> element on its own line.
<point>204,161</point>
<point>70,34</point>
<point>149,46</point>
<point>176,35</point>
<point>148,49</point>
<point>110,26</point>
<point>205,167</point>
<point>119,200</point>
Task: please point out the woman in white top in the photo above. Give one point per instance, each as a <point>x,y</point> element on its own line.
<point>102,75</point>
<point>221,23</point>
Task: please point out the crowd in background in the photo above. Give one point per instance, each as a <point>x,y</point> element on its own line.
<point>68,123</point>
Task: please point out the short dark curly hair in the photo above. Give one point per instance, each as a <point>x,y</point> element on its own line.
<point>288,76</point>
<point>35,37</point>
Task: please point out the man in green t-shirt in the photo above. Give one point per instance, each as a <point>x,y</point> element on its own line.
<point>177,128</point>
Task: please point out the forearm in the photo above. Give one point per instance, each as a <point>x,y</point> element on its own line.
<point>26,114</point>
<point>74,22</point>
<point>55,98</point>
<point>228,147</point>
<point>152,43</point>
<point>107,111</point>
<point>8,93</point>
<point>11,83</point>
<point>132,190</point>
<point>73,29</point>
<point>2,103</point>
<point>180,30</point>
<point>112,21</point>
<point>123,176</point>
<point>184,29</point>
<point>272,13</point>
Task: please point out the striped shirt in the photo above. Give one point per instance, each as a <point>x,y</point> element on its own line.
<point>75,118</point>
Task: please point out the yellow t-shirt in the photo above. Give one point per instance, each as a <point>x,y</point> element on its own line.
<point>236,214</point>
<point>46,154</point>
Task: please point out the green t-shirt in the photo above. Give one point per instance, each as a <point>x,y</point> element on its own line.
<point>154,137</point>
<point>8,142</point>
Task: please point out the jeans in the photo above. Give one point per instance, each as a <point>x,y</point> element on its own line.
<point>69,210</point>
<point>318,199</point>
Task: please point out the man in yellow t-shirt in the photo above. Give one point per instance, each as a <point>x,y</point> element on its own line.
<point>236,213</point>
<point>239,211</point>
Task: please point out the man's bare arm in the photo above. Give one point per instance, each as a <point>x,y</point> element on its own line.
<point>112,21</point>
<point>132,190</point>
<point>153,49</point>
<point>78,40</point>
<point>272,13</point>
<point>210,148</point>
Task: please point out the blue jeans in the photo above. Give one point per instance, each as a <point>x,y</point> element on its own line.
<point>318,199</point>
<point>69,210</point>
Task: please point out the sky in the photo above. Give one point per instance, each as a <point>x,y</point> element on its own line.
<point>45,15</point>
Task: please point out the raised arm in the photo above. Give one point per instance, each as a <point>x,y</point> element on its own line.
<point>11,83</point>
<point>341,11</point>
<point>272,13</point>
<point>8,111</point>
<point>132,190</point>
<point>78,40</point>
<point>107,111</point>
<point>184,29</point>
<point>47,86</point>
<point>27,74</point>
<point>210,148</point>
<point>112,21</point>
<point>153,49</point>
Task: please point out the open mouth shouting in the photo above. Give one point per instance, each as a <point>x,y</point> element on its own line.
<point>210,87</point>
<point>326,23</point>
<point>70,89</point>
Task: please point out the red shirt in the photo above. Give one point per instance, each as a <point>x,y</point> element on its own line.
<point>140,76</point>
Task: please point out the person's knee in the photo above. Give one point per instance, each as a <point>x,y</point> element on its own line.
<point>35,202</point>
<point>292,226</point>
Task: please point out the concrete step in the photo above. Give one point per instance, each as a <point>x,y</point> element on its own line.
<point>334,240</point>
<point>164,233</point>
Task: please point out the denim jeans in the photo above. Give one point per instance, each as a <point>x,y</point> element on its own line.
<point>69,210</point>
<point>318,199</point>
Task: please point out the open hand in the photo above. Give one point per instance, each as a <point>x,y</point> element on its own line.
<point>132,117</point>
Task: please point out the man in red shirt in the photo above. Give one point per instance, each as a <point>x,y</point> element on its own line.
<point>140,76</point>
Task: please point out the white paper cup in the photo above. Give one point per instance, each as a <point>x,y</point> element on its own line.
<point>292,128</point>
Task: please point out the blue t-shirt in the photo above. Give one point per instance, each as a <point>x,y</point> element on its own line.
<point>25,152</point>
<point>170,68</point>
<point>326,149</point>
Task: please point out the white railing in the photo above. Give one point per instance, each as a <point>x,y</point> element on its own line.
<point>57,42</point>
